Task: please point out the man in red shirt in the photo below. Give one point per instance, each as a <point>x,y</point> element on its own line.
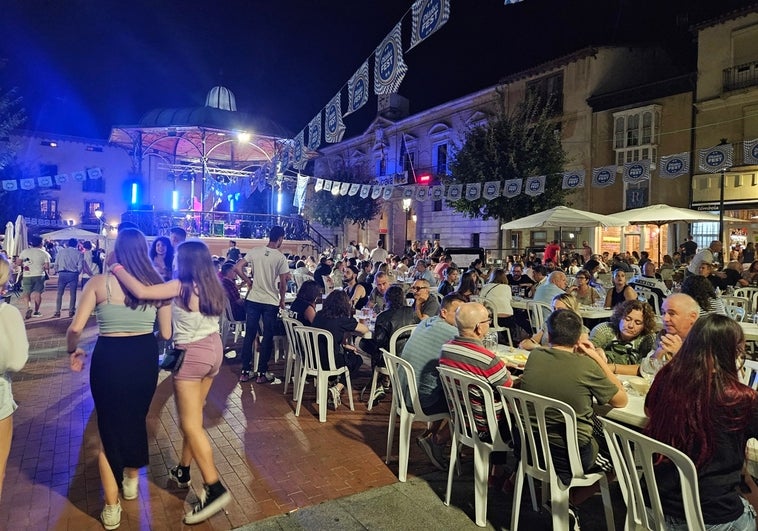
<point>552,252</point>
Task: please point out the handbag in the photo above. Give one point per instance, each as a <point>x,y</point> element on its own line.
<point>173,359</point>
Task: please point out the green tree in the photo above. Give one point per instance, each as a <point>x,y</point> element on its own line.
<point>333,210</point>
<point>524,143</point>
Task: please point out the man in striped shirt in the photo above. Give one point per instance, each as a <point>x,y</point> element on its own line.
<point>466,352</point>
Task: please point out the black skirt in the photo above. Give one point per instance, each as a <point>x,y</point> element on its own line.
<point>123,378</point>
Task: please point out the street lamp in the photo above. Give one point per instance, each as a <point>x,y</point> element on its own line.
<point>406,209</point>
<point>99,216</point>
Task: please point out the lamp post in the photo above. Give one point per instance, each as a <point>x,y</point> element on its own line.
<point>101,230</point>
<point>406,209</point>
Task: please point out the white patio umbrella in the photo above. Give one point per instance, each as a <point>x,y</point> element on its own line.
<point>8,242</point>
<point>563,216</point>
<point>72,232</point>
<point>21,236</point>
<point>662,214</point>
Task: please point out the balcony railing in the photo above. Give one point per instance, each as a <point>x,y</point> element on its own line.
<point>741,76</point>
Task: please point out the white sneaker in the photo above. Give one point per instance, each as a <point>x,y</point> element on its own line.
<point>130,487</point>
<point>111,516</point>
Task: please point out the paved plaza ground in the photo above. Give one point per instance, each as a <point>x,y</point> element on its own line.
<point>284,472</point>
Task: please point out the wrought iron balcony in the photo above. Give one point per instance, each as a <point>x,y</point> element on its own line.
<point>741,76</point>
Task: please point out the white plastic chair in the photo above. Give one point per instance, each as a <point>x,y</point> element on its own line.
<point>494,326</point>
<point>231,331</point>
<point>294,355</point>
<point>749,374</point>
<point>309,338</point>
<point>748,293</point>
<point>408,413</point>
<point>736,307</point>
<point>650,297</point>
<point>528,411</point>
<point>394,338</point>
<point>457,385</point>
<point>537,312</point>
<point>633,455</point>
<point>328,284</point>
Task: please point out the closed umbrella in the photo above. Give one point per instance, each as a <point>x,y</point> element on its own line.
<point>8,243</point>
<point>21,237</point>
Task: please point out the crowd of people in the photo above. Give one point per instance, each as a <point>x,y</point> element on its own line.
<point>174,289</point>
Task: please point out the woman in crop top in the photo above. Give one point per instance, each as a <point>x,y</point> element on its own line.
<point>124,368</point>
<point>198,302</point>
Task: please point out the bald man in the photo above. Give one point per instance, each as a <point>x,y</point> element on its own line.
<point>555,285</point>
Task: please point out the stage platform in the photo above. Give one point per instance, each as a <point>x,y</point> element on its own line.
<point>218,246</point>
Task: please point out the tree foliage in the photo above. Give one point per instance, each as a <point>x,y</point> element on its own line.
<point>333,210</point>
<point>522,144</point>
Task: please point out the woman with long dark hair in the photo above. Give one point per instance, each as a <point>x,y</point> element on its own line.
<point>304,305</point>
<point>698,405</point>
<point>628,336</point>
<point>198,302</point>
<point>124,367</point>
<point>700,288</point>
<point>162,255</point>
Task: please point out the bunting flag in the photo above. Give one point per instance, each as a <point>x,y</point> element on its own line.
<point>428,17</point>
<point>535,185</point>
<point>299,198</point>
<point>750,148</point>
<point>334,127</point>
<point>314,132</point>
<point>672,166</point>
<point>438,192</point>
<point>26,184</point>
<point>473,191</point>
<point>376,191</point>
<point>298,151</point>
<point>61,178</point>
<point>512,187</point>
<point>11,185</point>
<point>285,155</point>
<point>94,173</point>
<point>422,193</point>
<point>409,191</point>
<point>79,176</point>
<point>357,89</point>
<point>328,185</point>
<point>45,182</point>
<point>319,185</point>
<point>344,189</point>
<point>454,192</point>
<point>637,171</point>
<point>365,191</point>
<point>573,179</point>
<point>509,2</point>
<point>491,190</point>
<point>354,188</point>
<point>387,192</point>
<point>716,159</point>
<point>389,67</point>
<point>604,176</point>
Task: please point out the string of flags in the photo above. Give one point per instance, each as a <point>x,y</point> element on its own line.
<point>48,181</point>
<point>710,160</point>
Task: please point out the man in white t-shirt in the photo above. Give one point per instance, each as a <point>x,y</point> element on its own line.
<point>265,296</point>
<point>35,262</point>
<point>379,253</point>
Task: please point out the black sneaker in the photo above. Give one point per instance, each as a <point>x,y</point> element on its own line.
<point>180,475</point>
<point>213,498</point>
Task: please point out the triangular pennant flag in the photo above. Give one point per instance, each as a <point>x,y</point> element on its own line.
<point>376,191</point>
<point>79,176</point>
<point>45,182</point>
<point>573,179</point>
<point>26,184</point>
<point>344,188</point>
<point>328,185</point>
<point>61,178</point>
<point>10,185</point>
<point>512,187</point>
<point>428,17</point>
<point>454,192</point>
<point>438,192</point>
<point>672,166</point>
<point>491,190</point>
<point>535,185</point>
<point>94,173</point>
<point>422,193</point>
<point>637,171</point>
<point>357,89</point>
<point>409,192</point>
<point>387,192</point>
<point>389,67</point>
<point>319,185</point>
<point>354,189</point>
<point>334,127</point>
<point>298,199</point>
<point>750,150</point>
<point>314,132</point>
<point>716,159</point>
<point>298,151</point>
<point>473,191</point>
<point>604,176</point>
<point>365,191</point>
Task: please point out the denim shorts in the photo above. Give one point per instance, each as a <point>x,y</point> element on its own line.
<point>746,521</point>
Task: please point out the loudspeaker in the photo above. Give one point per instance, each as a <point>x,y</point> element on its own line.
<point>246,229</point>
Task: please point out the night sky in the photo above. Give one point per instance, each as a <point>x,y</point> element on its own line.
<point>83,66</point>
